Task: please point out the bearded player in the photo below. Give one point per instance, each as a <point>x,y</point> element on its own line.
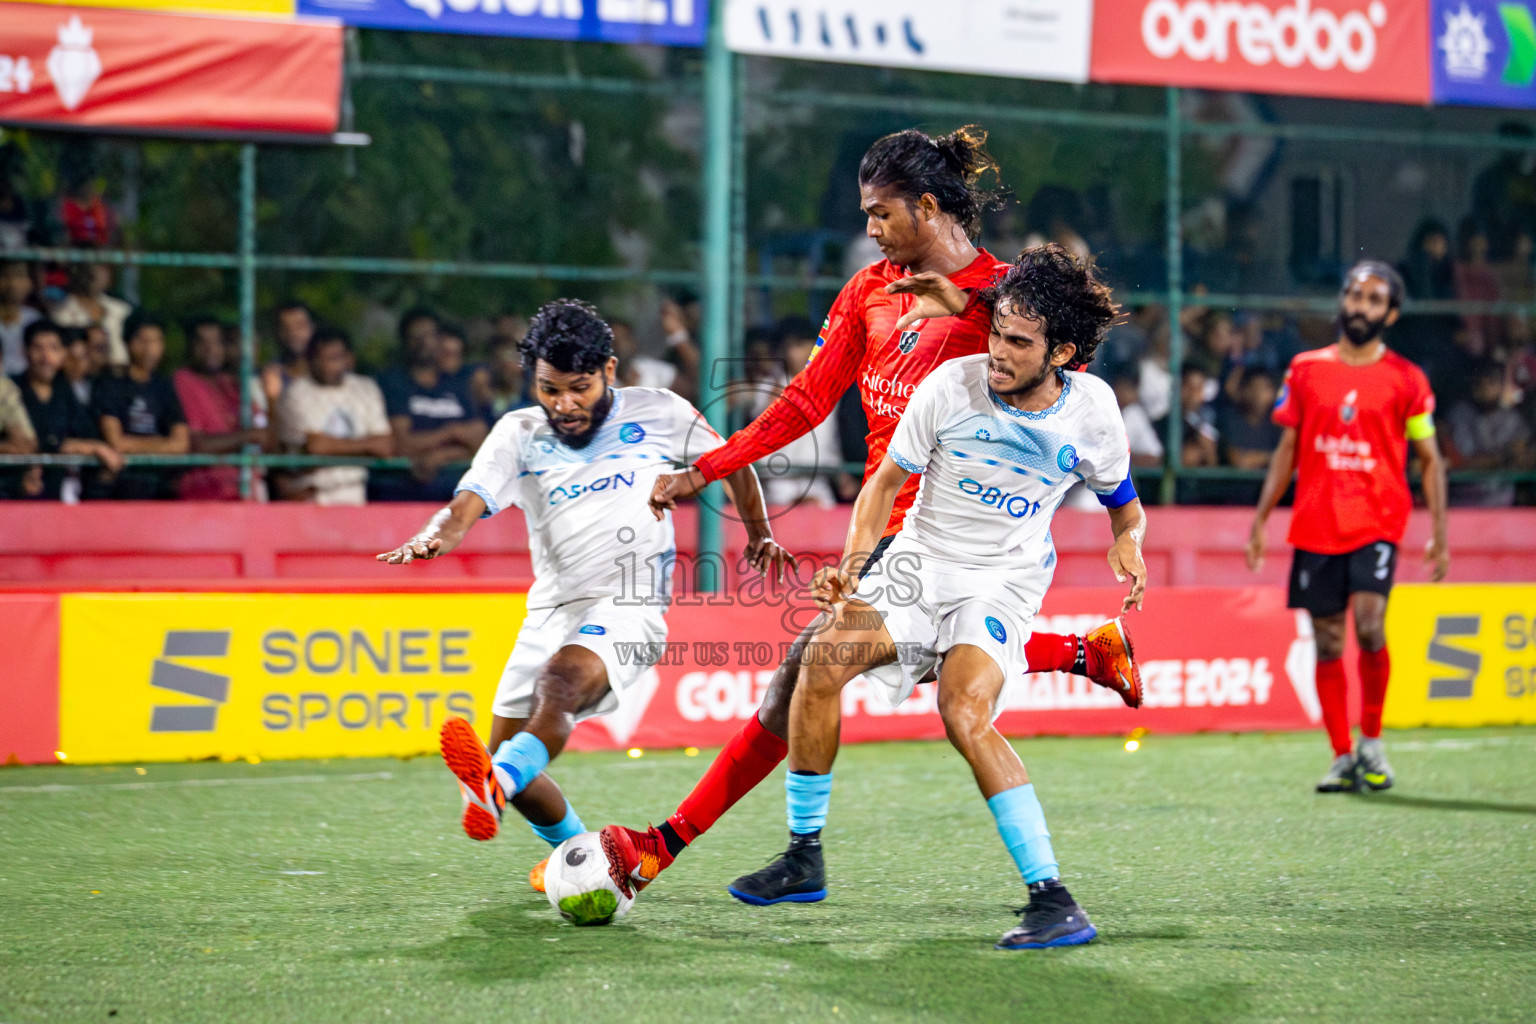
<point>923,199</point>
<point>996,440</point>
<point>1350,412</point>
<point>580,465</point>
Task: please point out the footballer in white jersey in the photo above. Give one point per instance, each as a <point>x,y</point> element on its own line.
<point>998,438</point>
<point>580,467</point>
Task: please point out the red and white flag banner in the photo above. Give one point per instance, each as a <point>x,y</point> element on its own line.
<point>1211,659</point>
<point>89,67</point>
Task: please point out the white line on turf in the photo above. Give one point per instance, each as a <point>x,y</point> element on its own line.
<point>270,780</point>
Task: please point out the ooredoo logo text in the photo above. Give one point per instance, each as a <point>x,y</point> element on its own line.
<point>1289,35</point>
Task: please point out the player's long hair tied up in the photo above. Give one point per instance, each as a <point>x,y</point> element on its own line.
<point>1049,283</point>
<point>949,168</point>
<point>569,335</point>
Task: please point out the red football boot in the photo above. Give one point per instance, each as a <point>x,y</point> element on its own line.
<point>634,858</point>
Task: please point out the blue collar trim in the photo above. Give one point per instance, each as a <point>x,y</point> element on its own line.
<point>1061,400</point>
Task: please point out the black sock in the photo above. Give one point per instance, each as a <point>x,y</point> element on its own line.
<point>802,840</point>
<point>675,844</point>
<point>1080,663</point>
<point>1049,885</point>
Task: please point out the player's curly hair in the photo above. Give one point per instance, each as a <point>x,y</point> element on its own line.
<point>569,335</point>
<point>1051,284</point>
<point>949,168</point>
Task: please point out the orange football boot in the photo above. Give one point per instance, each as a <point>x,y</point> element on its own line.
<point>536,876</point>
<point>634,858</point>
<point>484,799</point>
<point>1112,660</point>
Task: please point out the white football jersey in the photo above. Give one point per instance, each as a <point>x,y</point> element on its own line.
<point>590,528</point>
<point>993,475</point>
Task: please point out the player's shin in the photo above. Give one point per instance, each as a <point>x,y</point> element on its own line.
<point>557,833</point>
<point>747,759</point>
<point>1021,824</point>
<point>1375,672</point>
<point>519,761</point>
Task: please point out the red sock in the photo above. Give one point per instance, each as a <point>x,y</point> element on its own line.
<point>1375,670</point>
<point>746,760</point>
<point>1331,695</point>
<point>1050,652</point>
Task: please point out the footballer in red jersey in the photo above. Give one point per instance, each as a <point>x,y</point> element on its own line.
<point>1349,413</point>
<point>923,202</point>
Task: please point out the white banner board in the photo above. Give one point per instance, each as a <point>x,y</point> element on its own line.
<point>1016,38</point>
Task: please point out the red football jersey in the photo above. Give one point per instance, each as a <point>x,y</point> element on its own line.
<point>1352,427</point>
<point>859,342</point>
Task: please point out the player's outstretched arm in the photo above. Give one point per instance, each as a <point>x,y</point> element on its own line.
<point>1437,553</point>
<point>763,554</point>
<point>1281,465</point>
<point>936,296</point>
<point>1129,523</point>
<point>871,511</point>
<point>443,532</point>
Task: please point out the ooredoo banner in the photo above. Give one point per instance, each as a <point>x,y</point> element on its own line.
<point>1019,38</point>
<point>1344,49</point>
<point>167,72</point>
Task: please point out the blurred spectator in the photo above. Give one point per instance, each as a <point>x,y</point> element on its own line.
<point>63,425</point>
<point>1154,389</point>
<point>435,419</point>
<point>1196,389</point>
<point>1504,193</point>
<point>17,438</point>
<point>87,302</point>
<point>1055,214</point>
<point>1486,435</point>
<point>88,222</point>
<point>1428,273</point>
<point>19,220</point>
<point>679,370</point>
<point>332,411</point>
<point>85,359</point>
<point>138,412</point>
<point>1476,281</point>
<point>295,328</point>
<point>1146,446</point>
<point>210,398</point>
<point>504,390</point>
<point>15,314</point>
<point>1247,434</point>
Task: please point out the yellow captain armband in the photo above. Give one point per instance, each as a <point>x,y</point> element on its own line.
<point>1421,426</point>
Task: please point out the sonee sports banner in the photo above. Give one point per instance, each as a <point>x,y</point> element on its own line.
<point>1343,49</point>
<point>167,72</point>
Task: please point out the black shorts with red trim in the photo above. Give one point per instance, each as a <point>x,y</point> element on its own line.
<point>1322,584</point>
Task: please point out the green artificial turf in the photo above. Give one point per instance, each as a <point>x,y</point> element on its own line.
<point>1224,889</point>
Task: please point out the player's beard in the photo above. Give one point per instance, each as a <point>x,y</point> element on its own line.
<point>599,413</point>
<point>1361,329</point>
<point>1030,385</point>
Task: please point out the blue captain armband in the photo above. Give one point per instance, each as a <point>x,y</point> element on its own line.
<point>1122,495</point>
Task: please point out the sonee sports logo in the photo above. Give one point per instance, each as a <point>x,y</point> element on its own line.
<point>194,682</point>
<point>590,630</point>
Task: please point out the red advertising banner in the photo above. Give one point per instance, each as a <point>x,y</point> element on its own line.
<point>1211,659</point>
<point>166,72</point>
<point>1343,49</point>
<point>29,683</point>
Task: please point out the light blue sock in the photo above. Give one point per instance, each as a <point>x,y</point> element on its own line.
<point>522,757</point>
<point>1021,823</point>
<point>807,798</point>
<point>561,830</point>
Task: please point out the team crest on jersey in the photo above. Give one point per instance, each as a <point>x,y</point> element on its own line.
<point>996,629</point>
<point>1066,459</point>
<point>1347,410</point>
<point>908,342</point>
<point>631,433</point>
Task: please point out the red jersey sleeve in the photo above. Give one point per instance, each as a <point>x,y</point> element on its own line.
<point>809,398</point>
<point>1287,411</point>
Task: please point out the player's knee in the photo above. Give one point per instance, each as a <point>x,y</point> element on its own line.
<point>965,720</point>
<point>821,677</point>
<point>1372,635</point>
<point>774,712</point>
<point>561,691</point>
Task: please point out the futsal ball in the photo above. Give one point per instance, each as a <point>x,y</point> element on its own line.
<point>578,885</point>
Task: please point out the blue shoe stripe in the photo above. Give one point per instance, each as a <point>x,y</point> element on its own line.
<point>794,897</point>
<point>1076,938</point>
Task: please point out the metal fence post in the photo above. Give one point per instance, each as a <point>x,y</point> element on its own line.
<point>1173,457</point>
<point>719,96</point>
<point>248,383</point>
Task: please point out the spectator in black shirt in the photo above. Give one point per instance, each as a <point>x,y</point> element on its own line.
<point>1245,432</point>
<point>435,419</point>
<point>62,424</point>
<point>139,413</point>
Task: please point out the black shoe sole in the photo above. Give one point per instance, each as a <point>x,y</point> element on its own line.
<point>815,896</point>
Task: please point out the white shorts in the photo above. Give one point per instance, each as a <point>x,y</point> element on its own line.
<point>940,605</point>
<point>599,625</point>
